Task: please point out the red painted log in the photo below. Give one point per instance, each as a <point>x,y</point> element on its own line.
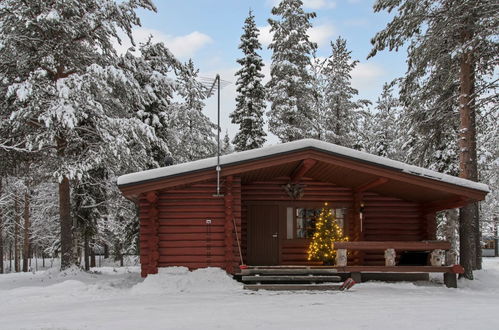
<point>229,226</point>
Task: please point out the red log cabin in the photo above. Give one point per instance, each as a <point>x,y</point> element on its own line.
<point>267,199</point>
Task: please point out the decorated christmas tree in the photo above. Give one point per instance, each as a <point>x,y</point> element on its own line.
<point>327,231</point>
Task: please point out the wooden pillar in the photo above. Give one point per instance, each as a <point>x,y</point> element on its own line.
<point>229,225</point>
<point>450,279</point>
<point>356,276</point>
<point>153,241</point>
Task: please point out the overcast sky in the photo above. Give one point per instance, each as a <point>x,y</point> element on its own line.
<point>208,31</point>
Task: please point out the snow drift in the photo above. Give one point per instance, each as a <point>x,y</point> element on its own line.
<point>180,279</point>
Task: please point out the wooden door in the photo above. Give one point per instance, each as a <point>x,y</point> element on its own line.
<point>263,235</point>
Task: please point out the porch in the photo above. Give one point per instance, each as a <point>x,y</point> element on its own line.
<point>294,277</point>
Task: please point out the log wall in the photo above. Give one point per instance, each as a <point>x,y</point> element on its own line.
<point>185,237</point>
<point>178,219</point>
<point>391,219</point>
<point>384,218</point>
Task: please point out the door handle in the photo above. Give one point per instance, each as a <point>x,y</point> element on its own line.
<point>274,235</point>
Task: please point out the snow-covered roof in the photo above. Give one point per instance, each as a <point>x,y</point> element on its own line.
<point>244,156</point>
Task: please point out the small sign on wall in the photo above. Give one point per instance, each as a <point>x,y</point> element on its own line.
<point>208,221</point>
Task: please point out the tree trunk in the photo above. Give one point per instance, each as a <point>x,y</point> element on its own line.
<point>10,257</point>
<point>496,238</point>
<point>1,234</point>
<point>468,229</point>
<point>452,228</point>
<point>16,234</point>
<point>1,245</point>
<point>26,243</point>
<point>92,253</point>
<point>86,252</point>
<point>106,251</point>
<point>66,223</point>
<point>478,236</point>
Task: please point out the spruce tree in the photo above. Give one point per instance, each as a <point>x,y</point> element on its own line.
<point>383,134</point>
<point>225,146</point>
<point>341,115</point>
<point>250,99</point>
<point>290,87</point>
<point>462,33</point>
<point>195,137</point>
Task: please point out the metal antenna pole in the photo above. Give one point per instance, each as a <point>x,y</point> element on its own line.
<point>218,136</point>
<point>218,83</point>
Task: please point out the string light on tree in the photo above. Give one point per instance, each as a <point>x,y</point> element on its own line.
<point>327,231</point>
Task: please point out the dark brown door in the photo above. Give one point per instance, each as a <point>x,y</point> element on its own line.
<point>263,235</point>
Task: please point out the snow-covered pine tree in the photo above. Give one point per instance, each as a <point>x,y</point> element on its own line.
<point>45,226</point>
<point>383,134</point>
<point>463,31</point>
<point>429,126</point>
<point>250,99</point>
<point>195,137</point>
<point>488,166</point>
<point>225,146</point>
<point>89,208</point>
<point>339,121</point>
<point>290,87</point>
<point>1,228</point>
<point>65,91</point>
<point>319,101</point>
<point>155,69</point>
<point>120,230</point>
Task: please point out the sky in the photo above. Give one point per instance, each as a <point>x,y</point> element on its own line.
<point>209,31</point>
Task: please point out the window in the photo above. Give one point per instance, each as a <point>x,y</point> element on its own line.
<point>300,221</point>
<point>305,222</point>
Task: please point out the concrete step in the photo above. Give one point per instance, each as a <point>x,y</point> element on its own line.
<point>291,278</point>
<point>292,287</point>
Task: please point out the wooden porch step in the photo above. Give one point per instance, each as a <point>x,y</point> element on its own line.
<point>291,278</point>
<point>288,271</point>
<point>292,287</point>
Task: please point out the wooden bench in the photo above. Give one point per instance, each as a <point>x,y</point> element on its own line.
<point>442,260</point>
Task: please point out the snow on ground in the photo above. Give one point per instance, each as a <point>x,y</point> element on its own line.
<point>117,298</point>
